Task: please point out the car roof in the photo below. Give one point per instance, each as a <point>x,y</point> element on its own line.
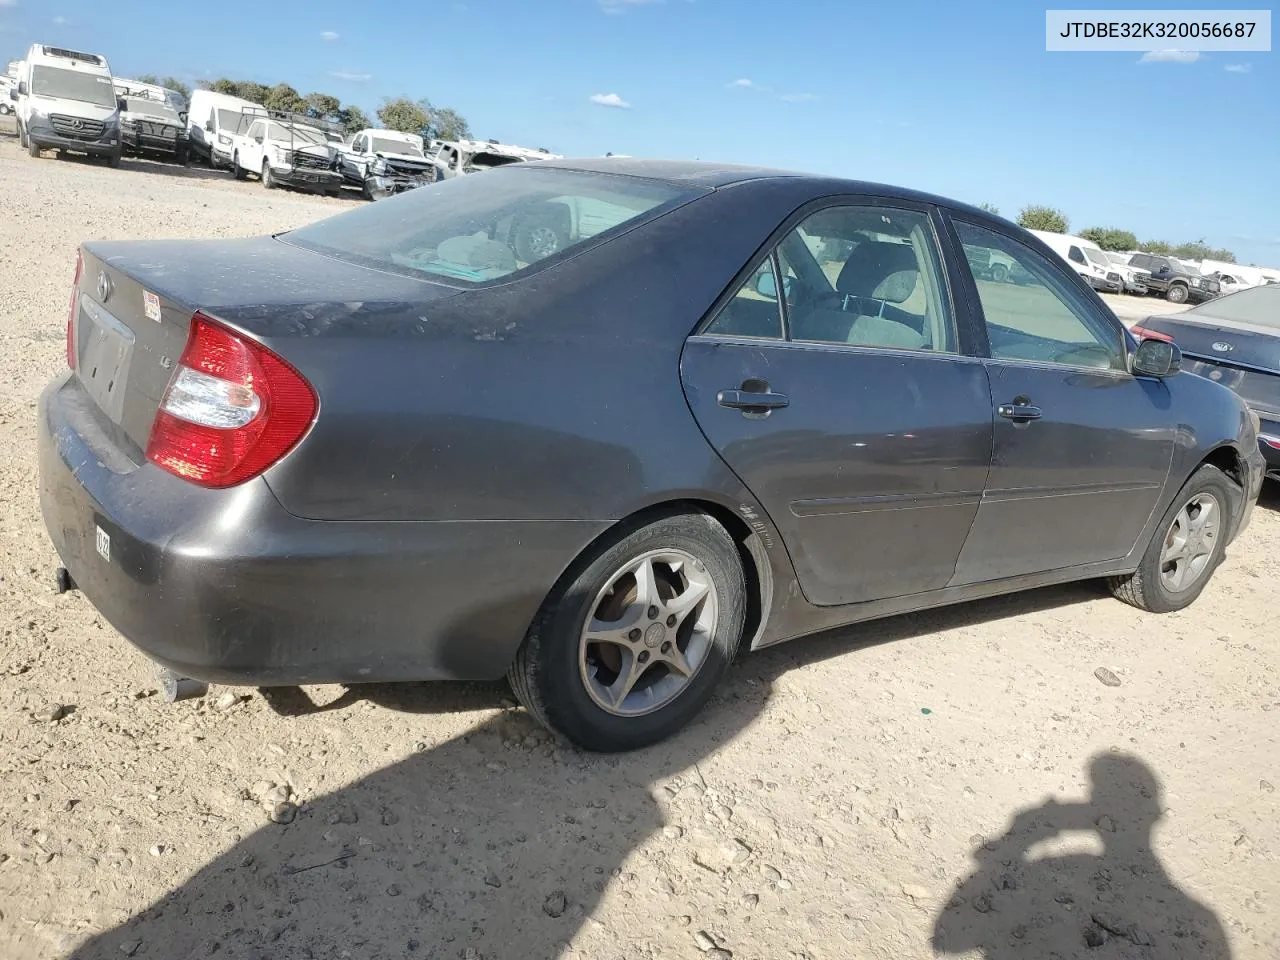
<point>712,176</point>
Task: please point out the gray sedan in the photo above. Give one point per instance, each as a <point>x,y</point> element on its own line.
<point>729,407</point>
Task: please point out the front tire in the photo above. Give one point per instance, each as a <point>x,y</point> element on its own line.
<point>113,159</point>
<point>1186,548</point>
<point>33,148</point>
<point>1000,273</point>
<point>1177,293</point>
<point>631,643</point>
<point>236,170</point>
<point>268,180</point>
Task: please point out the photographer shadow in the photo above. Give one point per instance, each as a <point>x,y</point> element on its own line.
<point>1120,903</point>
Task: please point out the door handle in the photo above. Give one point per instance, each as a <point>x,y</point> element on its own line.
<point>747,401</point>
<point>1019,410</point>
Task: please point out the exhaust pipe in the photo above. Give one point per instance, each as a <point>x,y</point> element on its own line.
<point>177,688</point>
<point>62,581</point>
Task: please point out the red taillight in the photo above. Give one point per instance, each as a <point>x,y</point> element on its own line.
<point>71,313</point>
<point>1142,333</point>
<point>1272,442</point>
<point>232,409</point>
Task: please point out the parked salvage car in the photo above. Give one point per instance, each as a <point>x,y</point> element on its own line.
<point>383,163</point>
<point>1133,277</point>
<point>455,158</point>
<point>1174,281</point>
<point>154,128</point>
<point>387,446</point>
<point>1235,341</point>
<point>283,152</point>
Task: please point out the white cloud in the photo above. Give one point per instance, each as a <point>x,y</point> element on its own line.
<point>60,21</point>
<point>743,84</point>
<point>351,76</point>
<point>8,3</point>
<point>1170,56</point>
<point>328,36</point>
<point>622,6</point>
<point>1238,67</point>
<point>610,100</point>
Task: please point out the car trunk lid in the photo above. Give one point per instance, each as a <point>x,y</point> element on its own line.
<point>1242,356</point>
<point>135,302</point>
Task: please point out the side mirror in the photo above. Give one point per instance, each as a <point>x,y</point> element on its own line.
<point>767,286</point>
<point>209,126</point>
<point>257,139</point>
<point>22,89</point>
<point>122,106</point>
<point>1156,358</point>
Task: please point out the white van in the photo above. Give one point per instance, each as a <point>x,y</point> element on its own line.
<point>212,120</point>
<point>65,100</point>
<point>1086,259</point>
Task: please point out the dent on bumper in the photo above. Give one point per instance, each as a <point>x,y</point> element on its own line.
<point>226,586</point>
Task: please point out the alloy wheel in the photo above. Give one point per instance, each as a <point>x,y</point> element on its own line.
<point>1189,543</point>
<point>649,632</point>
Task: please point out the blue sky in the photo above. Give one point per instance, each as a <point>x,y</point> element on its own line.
<point>955,97</point>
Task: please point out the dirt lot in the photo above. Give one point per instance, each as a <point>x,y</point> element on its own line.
<point>960,782</point>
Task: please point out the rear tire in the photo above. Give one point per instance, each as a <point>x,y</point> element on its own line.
<point>1000,273</point>
<point>578,687</point>
<point>1156,586</point>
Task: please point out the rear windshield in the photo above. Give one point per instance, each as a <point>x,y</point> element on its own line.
<point>72,85</point>
<point>1259,306</point>
<point>486,226</point>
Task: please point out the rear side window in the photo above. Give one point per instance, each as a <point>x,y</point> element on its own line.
<point>484,227</point>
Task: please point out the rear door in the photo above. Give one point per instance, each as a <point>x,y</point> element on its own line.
<point>846,404</point>
<point>1082,448</point>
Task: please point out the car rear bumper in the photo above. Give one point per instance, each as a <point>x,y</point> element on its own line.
<point>1269,446</point>
<point>226,586</point>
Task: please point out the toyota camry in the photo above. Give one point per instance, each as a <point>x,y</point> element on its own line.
<point>599,425</point>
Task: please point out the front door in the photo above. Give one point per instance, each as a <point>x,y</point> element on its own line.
<point>845,405</point>
<point>1082,447</point>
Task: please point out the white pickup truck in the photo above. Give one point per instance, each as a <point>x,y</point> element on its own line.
<point>285,152</point>
<point>386,162</point>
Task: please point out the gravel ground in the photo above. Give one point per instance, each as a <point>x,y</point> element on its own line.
<point>1048,772</point>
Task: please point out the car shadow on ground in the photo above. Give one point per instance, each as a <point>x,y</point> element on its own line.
<point>497,844</point>
<point>1270,497</point>
<point>429,698</point>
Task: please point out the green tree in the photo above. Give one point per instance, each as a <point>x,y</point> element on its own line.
<point>1034,217</point>
<point>1199,250</point>
<point>284,97</point>
<point>447,123</point>
<point>405,115</point>
<point>991,208</point>
<point>352,119</point>
<point>321,106</point>
<point>169,83</point>
<point>1155,246</point>
<point>1109,238</point>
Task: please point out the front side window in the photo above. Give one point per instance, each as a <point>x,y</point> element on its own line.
<point>476,229</point>
<point>1075,256</point>
<point>1040,318</point>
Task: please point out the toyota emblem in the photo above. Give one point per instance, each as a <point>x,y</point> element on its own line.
<point>1222,346</point>
<point>104,286</point>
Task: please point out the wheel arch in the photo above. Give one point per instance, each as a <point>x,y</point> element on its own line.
<point>756,567</point>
